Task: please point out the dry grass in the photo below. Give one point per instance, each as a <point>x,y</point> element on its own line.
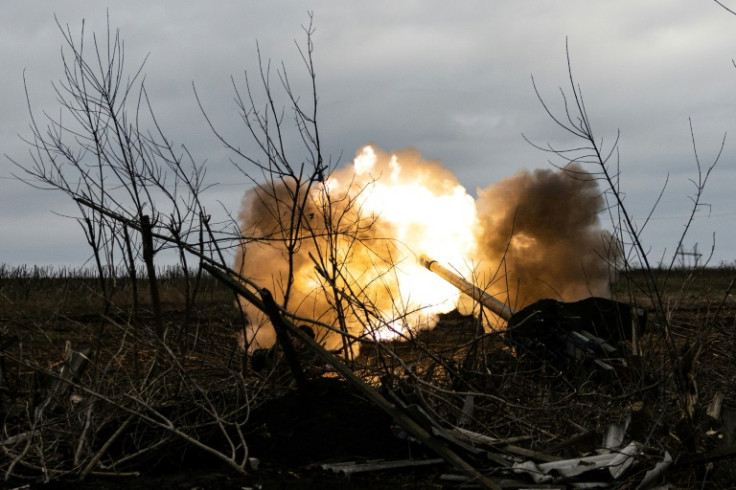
<point>545,406</point>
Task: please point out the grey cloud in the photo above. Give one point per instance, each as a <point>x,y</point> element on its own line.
<point>451,80</point>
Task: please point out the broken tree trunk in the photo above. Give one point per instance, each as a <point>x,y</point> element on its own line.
<point>74,364</point>
<point>146,229</point>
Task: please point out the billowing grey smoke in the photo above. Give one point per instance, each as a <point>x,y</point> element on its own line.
<point>541,230</point>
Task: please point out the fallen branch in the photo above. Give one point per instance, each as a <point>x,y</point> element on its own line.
<point>352,467</point>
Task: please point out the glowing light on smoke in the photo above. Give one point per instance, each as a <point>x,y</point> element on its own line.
<point>539,229</point>
<point>428,215</point>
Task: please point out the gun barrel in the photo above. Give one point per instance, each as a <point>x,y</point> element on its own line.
<point>499,308</point>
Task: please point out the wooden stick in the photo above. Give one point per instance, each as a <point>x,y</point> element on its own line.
<point>272,310</point>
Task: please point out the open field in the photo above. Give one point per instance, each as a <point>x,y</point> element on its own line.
<point>190,407</point>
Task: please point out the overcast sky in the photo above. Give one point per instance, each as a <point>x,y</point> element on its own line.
<point>451,79</point>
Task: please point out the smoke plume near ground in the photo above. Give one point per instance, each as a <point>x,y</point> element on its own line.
<point>534,235</point>
<point>541,231</point>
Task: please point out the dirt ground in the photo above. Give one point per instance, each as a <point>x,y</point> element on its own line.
<point>291,436</point>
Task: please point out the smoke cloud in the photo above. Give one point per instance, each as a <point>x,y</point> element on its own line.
<point>284,226</point>
<point>534,235</point>
<point>541,232</point>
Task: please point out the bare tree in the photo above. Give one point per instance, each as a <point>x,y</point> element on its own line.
<point>137,195</point>
<point>99,151</point>
<point>629,244</point>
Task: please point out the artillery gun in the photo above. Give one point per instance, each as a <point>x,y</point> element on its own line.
<point>595,332</point>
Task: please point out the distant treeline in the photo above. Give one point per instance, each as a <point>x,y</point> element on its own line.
<point>174,272</point>
<point>169,272</point>
<point>42,283</point>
